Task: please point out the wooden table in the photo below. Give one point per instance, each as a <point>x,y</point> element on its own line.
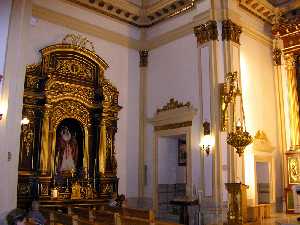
<point>184,202</point>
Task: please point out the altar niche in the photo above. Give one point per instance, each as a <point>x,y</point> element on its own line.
<point>68,144</point>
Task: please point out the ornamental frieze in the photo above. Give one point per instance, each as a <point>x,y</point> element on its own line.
<point>74,69</point>
<point>61,89</point>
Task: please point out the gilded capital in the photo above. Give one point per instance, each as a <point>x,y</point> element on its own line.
<point>277,56</point>
<point>143,58</point>
<point>206,32</point>
<point>290,61</point>
<point>231,31</point>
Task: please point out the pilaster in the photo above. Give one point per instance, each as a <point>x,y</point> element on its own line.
<point>142,118</point>
<point>231,43</point>
<point>11,101</point>
<point>207,39</point>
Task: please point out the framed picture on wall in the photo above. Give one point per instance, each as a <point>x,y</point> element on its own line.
<point>182,152</point>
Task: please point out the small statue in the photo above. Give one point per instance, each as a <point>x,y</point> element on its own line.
<point>76,191</point>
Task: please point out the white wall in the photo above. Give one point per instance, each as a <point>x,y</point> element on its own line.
<point>258,88</point>
<point>173,73</point>
<point>5,8</point>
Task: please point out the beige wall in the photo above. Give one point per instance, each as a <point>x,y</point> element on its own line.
<point>173,73</point>
<point>259,104</point>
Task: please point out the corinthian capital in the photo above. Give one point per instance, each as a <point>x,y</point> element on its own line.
<point>231,31</point>
<point>206,32</point>
<point>290,61</point>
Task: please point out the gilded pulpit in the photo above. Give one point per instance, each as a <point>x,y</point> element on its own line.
<point>67,145</point>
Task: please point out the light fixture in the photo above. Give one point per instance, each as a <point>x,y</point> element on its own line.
<point>25,121</point>
<point>207,141</point>
<point>1,116</point>
<point>229,91</point>
<point>239,138</point>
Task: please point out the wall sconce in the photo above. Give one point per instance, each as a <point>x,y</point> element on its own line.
<point>229,91</point>
<point>1,116</point>
<point>25,121</point>
<point>207,141</point>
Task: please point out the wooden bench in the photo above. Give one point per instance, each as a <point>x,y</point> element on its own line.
<point>258,212</point>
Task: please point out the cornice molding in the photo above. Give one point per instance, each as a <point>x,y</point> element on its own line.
<point>206,32</point>
<point>260,8</point>
<point>136,15</point>
<point>81,26</point>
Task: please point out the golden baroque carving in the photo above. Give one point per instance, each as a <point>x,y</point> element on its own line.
<point>277,56</point>
<point>290,61</point>
<point>62,89</point>
<point>27,138</point>
<point>173,104</point>
<point>74,68</point>
<point>293,170</point>
<point>231,31</point>
<point>32,82</point>
<point>143,58</point>
<point>110,104</point>
<point>206,32</point>
<point>70,109</point>
<point>78,40</point>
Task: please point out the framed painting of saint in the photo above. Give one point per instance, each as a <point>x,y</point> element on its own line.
<point>69,146</point>
<point>182,154</point>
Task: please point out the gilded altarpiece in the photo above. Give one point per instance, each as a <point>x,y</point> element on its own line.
<point>69,141</point>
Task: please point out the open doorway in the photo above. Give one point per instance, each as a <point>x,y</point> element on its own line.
<point>172,173</point>
<point>263,182</point>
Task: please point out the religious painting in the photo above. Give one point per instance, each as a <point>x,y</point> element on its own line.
<point>182,154</point>
<point>69,146</point>
<point>293,170</point>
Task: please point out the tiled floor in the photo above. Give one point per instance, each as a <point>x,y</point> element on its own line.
<point>282,218</point>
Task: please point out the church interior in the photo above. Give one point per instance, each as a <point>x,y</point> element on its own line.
<point>135,112</point>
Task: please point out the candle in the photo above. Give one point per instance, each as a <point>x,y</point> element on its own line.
<point>54,193</point>
<point>238,123</point>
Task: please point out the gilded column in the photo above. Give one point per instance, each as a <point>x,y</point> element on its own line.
<point>142,118</point>
<point>293,99</point>
<point>207,40</point>
<point>102,148</point>
<point>44,156</point>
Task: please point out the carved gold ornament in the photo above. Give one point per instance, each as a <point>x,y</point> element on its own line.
<point>173,104</point>
<point>74,68</point>
<point>229,91</point>
<point>62,90</point>
<point>78,40</point>
<point>206,32</point>
<point>231,31</point>
<point>70,109</point>
<point>293,170</point>
<point>277,56</point>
